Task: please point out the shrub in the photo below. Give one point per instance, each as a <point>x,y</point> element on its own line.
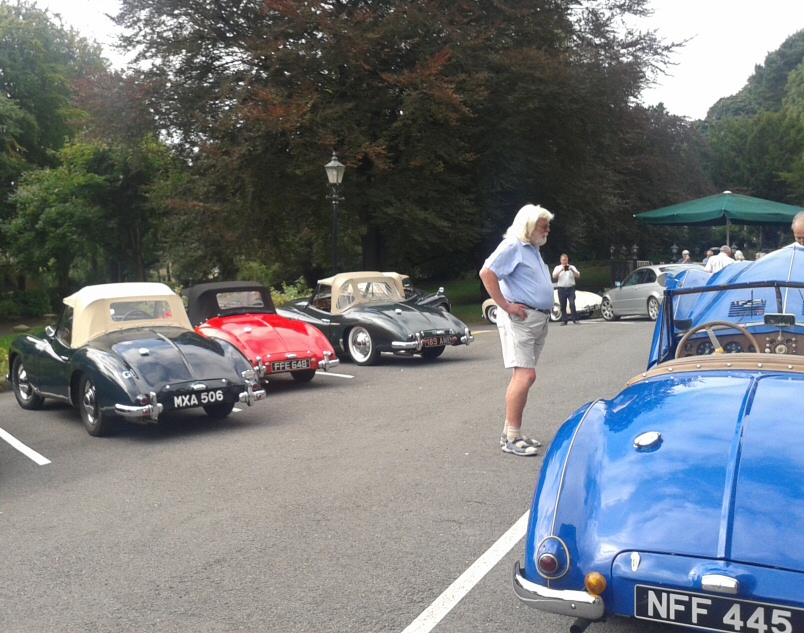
<point>34,302</point>
<point>290,292</point>
<point>9,310</point>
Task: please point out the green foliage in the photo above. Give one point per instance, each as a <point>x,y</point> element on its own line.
<point>757,136</point>
<point>34,302</point>
<point>289,292</point>
<point>449,116</point>
<point>92,217</point>
<point>9,310</point>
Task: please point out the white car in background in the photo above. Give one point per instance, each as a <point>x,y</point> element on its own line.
<point>586,304</point>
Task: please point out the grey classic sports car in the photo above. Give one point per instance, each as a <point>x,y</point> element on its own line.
<point>366,313</point>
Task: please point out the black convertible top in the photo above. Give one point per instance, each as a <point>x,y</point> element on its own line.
<point>203,303</point>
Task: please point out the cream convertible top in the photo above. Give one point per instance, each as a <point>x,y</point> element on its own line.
<point>95,309</point>
<point>349,289</point>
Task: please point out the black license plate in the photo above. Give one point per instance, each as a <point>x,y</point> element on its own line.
<point>713,613</point>
<point>436,341</point>
<point>198,399</point>
<point>290,365</point>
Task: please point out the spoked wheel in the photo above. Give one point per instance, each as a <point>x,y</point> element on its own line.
<point>305,375</point>
<point>220,410</point>
<point>607,311</point>
<point>361,346</point>
<point>96,422</point>
<point>653,308</point>
<point>556,313</point>
<point>430,353</point>
<point>23,389</point>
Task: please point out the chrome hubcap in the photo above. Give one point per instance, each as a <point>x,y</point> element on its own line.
<point>89,402</point>
<point>361,344</point>
<point>23,386</point>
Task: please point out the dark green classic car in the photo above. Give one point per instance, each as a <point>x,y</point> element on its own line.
<point>128,350</point>
<point>365,313</point>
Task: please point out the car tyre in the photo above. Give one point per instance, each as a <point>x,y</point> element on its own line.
<point>431,353</point>
<point>556,313</point>
<point>653,308</point>
<point>303,376</point>
<point>607,312</point>
<point>96,422</point>
<point>23,389</point>
<point>491,314</point>
<point>361,346</point>
<point>220,410</point>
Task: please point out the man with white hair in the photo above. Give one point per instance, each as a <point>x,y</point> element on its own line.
<point>518,280</point>
<point>685,257</point>
<point>798,227</point>
<point>719,261</point>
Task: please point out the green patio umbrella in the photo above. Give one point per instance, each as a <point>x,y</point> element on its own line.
<point>725,208</point>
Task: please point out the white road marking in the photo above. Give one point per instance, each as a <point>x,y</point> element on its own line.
<point>436,612</point>
<point>28,452</point>
<point>332,373</point>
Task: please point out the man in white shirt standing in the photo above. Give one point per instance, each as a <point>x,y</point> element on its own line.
<point>719,261</point>
<point>566,274</point>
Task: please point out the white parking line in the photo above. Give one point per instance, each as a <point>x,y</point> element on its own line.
<point>436,612</point>
<point>332,373</point>
<point>28,452</point>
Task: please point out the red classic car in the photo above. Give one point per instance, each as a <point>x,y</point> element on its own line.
<point>243,313</point>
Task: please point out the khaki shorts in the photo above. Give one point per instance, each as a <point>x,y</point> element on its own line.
<point>522,339</point>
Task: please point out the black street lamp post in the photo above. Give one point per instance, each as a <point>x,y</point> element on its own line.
<point>335,171</point>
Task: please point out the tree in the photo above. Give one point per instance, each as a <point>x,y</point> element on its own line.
<point>39,59</point>
<point>449,115</point>
<point>94,218</point>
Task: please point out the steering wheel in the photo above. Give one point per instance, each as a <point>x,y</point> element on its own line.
<point>709,326</point>
<point>133,315</point>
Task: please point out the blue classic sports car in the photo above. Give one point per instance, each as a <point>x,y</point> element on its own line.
<point>681,499</point>
<point>366,313</point>
<point>129,350</point>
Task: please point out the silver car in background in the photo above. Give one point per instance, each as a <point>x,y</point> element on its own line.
<point>639,294</point>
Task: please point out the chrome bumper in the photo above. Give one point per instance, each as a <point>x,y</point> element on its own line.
<point>577,604</point>
<point>328,362</point>
<point>417,345</point>
<point>150,410</point>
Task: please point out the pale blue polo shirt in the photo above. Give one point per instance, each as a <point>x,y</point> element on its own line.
<point>524,278</point>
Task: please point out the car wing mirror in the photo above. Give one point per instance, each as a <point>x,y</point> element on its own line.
<point>682,325</point>
<point>780,319</point>
<point>50,332</point>
<point>618,284</point>
<point>662,280</point>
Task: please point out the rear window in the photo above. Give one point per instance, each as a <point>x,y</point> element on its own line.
<point>244,299</point>
<point>140,310</point>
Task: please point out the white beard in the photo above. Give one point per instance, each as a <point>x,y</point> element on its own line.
<point>539,240</point>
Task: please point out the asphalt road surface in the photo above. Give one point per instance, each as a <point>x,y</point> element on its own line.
<point>351,503</point>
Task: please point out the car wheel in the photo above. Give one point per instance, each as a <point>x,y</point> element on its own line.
<point>653,308</point>
<point>23,389</point>
<point>361,346</point>
<point>303,376</point>
<point>607,311</point>
<point>555,313</point>
<point>430,353</point>
<point>491,314</point>
<point>220,410</point>
<point>96,422</point>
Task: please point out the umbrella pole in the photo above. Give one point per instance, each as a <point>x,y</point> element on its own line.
<point>728,241</point>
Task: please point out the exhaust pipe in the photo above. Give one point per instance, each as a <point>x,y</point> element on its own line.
<point>579,626</point>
